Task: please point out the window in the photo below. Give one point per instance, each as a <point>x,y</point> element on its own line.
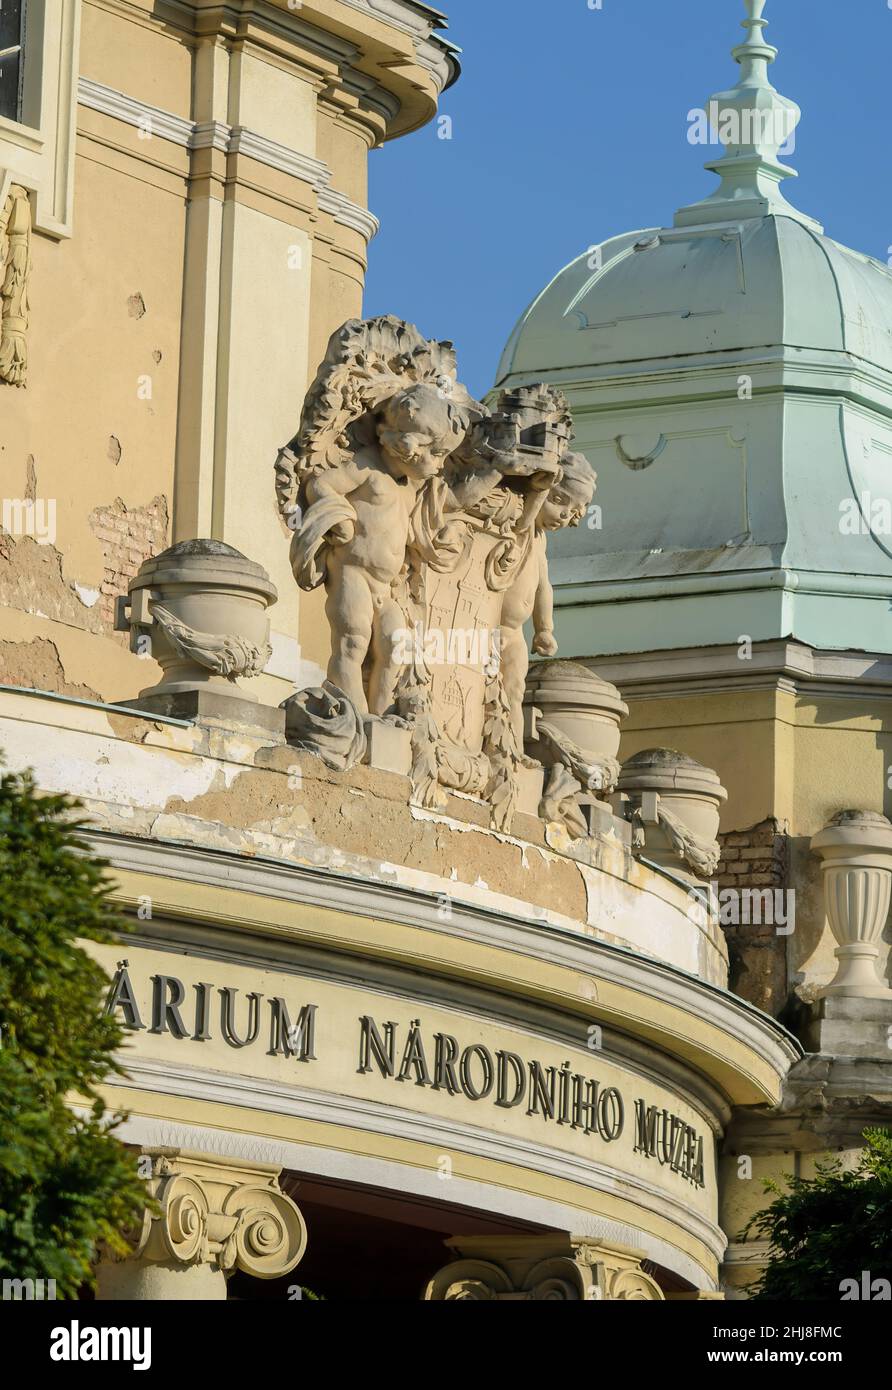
<point>12,57</point>
<point>38,97</point>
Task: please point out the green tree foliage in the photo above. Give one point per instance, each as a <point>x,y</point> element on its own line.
<point>829,1228</point>
<point>66,1182</point>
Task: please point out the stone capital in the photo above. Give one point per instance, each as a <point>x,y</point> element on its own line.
<point>212,1217</point>
<point>541,1268</point>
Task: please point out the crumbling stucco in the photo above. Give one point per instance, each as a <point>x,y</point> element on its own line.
<point>32,580</point>
<point>36,665</point>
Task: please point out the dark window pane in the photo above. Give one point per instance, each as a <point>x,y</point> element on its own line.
<point>12,37</point>
<point>10,23</point>
<point>9,87</point>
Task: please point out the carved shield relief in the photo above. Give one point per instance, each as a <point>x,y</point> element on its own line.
<point>462,643</point>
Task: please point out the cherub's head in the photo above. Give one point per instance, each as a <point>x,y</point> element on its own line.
<point>419,428</point>
<point>569,499</point>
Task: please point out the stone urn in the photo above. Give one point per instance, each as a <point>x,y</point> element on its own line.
<point>856,867</point>
<point>675,805</point>
<point>573,718</point>
<point>200,609</point>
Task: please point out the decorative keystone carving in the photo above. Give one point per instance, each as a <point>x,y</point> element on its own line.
<point>548,1268</point>
<point>228,1217</point>
<point>425,517</point>
<point>856,850</point>
<point>674,805</point>
<point>15,272</point>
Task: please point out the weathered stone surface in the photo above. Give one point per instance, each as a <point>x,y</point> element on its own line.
<point>210,707</point>
<point>851,1027</point>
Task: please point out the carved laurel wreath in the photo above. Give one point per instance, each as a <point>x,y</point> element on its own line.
<point>700,855</point>
<point>228,655</point>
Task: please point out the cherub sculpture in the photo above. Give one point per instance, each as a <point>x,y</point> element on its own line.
<point>381,420</point>
<point>530,594</point>
<point>423,512</point>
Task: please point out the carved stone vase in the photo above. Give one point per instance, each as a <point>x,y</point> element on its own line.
<point>200,609</point>
<point>570,707</point>
<point>675,805</point>
<point>856,854</point>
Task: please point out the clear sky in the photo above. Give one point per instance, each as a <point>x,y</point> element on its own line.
<point>570,124</point>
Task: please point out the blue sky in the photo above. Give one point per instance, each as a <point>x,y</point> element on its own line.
<point>570,125</point>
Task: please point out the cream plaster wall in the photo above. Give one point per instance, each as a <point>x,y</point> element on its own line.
<point>135,53</point>
<point>172,338</point>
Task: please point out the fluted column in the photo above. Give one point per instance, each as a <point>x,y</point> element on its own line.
<point>212,1218</point>
<point>856,850</point>
<point>556,1268</point>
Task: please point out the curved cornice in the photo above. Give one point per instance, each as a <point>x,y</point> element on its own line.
<point>742,1052</point>
<point>249,1092</point>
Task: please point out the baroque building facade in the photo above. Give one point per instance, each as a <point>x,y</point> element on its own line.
<point>432,949</point>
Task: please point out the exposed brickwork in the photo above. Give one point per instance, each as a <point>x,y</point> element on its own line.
<point>129,536</point>
<point>756,859</point>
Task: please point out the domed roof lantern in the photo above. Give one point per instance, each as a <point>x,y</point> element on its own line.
<point>753,122</point>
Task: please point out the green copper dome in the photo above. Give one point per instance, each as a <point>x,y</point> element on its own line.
<point>731,383</point>
<point>688,292</point>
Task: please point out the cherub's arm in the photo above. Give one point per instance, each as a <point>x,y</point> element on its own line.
<point>473,487</point>
<point>332,482</point>
<point>328,512</point>
<point>544,643</point>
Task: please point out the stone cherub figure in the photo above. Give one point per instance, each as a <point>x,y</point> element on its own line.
<point>355,532</point>
<point>530,594</point>
<point>381,420</point>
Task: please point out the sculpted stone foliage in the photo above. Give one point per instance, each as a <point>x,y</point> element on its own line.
<point>540,1269</point>
<point>15,272</point>
<point>226,654</point>
<point>424,515</point>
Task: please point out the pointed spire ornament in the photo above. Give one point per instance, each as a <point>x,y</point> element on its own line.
<point>754,123</point>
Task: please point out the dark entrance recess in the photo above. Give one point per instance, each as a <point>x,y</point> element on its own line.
<point>366,1245</point>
